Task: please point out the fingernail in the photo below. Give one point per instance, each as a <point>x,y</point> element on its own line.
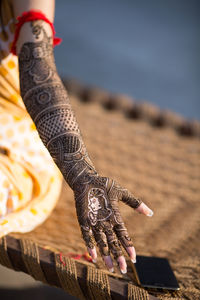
<point>150,214</point>
<point>133,261</point>
<point>111,270</point>
<point>94,261</point>
<point>123,271</point>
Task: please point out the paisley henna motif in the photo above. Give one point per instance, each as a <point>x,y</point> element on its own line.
<point>48,104</point>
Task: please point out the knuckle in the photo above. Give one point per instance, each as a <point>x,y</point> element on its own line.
<point>89,241</point>
<point>137,202</point>
<point>115,248</point>
<point>103,247</point>
<point>104,251</point>
<point>126,241</point>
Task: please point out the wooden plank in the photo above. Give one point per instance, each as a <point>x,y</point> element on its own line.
<point>118,287</point>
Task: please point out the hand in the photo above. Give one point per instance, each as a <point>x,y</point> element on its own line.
<point>100,219</point>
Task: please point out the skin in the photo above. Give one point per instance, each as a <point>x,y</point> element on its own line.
<point>47,101</point>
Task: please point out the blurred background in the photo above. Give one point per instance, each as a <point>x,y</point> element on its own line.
<point>146,49</point>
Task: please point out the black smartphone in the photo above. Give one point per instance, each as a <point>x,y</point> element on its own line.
<point>155,272</point>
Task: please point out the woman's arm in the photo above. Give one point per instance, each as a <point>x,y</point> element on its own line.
<point>46,6</point>
<point>48,104</point>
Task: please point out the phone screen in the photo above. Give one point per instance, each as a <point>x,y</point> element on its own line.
<point>155,272</point>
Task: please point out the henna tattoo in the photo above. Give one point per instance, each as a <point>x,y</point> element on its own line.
<point>101,213</point>
<point>48,104</point>
<point>98,206</point>
<point>36,29</point>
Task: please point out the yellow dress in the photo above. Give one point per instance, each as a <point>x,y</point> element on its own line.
<point>30,182</point>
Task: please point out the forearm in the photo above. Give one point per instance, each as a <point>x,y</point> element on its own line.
<point>46,6</point>
<point>48,104</point>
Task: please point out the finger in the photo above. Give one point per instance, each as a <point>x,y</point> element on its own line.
<point>102,244</point>
<point>109,263</point>
<point>116,250</point>
<point>125,240</point>
<point>129,199</point>
<point>93,254</point>
<point>132,254</point>
<point>122,264</point>
<point>144,209</point>
<point>89,241</point>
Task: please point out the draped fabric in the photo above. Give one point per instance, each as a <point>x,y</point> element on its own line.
<point>30,182</point>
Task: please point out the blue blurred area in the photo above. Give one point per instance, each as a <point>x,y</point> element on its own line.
<point>148,49</point>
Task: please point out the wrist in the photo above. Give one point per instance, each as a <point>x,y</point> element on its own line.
<point>81,173</point>
<point>32,16</point>
<point>26,34</point>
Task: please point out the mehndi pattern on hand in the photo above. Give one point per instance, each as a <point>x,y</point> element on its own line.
<point>48,104</point>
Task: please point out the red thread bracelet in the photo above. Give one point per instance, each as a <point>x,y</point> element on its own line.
<point>29,16</point>
<point>85,256</point>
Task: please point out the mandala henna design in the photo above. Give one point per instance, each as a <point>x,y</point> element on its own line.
<point>48,104</point>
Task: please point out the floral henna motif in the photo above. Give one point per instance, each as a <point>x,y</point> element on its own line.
<point>48,104</point>
<point>98,206</point>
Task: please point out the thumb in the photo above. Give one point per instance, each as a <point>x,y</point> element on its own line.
<point>136,203</point>
<point>144,209</point>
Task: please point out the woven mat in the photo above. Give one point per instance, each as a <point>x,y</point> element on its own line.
<point>157,156</point>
